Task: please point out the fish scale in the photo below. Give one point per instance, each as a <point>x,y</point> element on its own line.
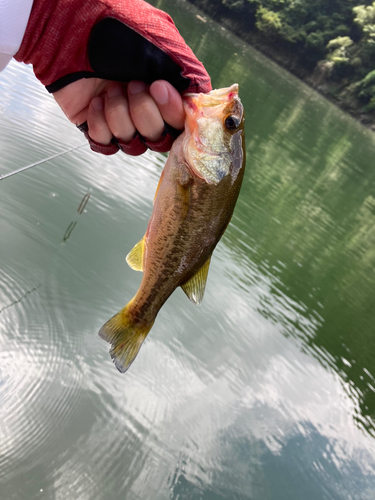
<point>193,205</point>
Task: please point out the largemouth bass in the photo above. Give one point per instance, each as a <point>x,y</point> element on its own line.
<point>193,205</point>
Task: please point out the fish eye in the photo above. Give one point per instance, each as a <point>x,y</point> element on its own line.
<point>231,122</point>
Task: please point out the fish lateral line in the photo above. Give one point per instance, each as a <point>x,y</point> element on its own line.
<point>193,204</point>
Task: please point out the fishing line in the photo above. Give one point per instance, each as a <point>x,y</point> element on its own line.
<point>2,177</point>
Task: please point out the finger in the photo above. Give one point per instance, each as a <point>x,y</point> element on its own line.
<point>144,111</point>
<point>117,113</point>
<point>169,102</point>
<point>74,99</point>
<point>96,121</point>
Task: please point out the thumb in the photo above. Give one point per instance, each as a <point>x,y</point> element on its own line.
<point>169,102</point>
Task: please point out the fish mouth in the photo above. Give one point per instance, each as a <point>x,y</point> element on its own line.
<point>218,93</point>
<point>211,103</point>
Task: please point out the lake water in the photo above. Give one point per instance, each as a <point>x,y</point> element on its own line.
<point>265,391</point>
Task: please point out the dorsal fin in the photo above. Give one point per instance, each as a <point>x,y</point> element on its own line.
<point>135,256</point>
<point>194,288</point>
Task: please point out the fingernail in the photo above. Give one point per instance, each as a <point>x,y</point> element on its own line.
<point>160,93</point>
<point>114,91</point>
<point>136,87</point>
<point>97,104</point>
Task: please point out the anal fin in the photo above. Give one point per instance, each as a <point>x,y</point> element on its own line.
<point>194,288</point>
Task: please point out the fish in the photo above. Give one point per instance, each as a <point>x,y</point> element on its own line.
<point>193,204</point>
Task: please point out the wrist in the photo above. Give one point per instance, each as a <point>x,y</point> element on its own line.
<point>51,36</point>
<point>120,40</point>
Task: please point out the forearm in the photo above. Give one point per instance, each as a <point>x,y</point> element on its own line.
<point>14,15</point>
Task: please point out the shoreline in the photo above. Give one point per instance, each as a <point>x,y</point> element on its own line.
<point>285,59</point>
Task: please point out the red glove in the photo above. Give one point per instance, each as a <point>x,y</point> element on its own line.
<point>120,40</point>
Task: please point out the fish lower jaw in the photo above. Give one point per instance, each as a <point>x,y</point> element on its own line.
<point>211,171</point>
<point>200,170</point>
<point>194,172</point>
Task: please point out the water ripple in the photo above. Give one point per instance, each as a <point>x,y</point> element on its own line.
<point>35,400</point>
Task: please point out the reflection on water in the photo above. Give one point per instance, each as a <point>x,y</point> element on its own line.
<point>73,224</point>
<point>266,391</point>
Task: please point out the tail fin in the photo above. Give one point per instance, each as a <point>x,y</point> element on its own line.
<point>126,338</point>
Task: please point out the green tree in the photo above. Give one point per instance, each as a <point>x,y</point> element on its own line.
<point>336,35</point>
<point>365,18</point>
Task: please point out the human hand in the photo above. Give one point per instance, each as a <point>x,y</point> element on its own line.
<point>119,110</point>
<point>86,53</point>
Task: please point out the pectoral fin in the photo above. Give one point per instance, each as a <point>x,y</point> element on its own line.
<point>194,288</point>
<point>135,256</point>
<point>158,186</point>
